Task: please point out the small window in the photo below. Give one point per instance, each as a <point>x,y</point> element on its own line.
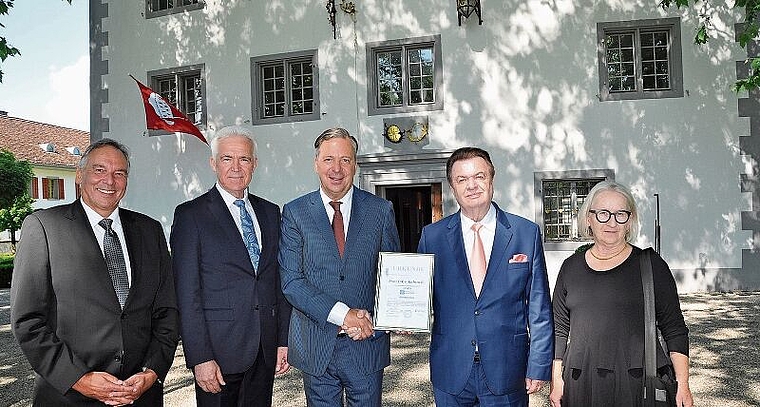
<point>184,88</point>
<point>52,188</point>
<point>157,8</point>
<point>640,59</point>
<point>285,87</point>
<point>561,195</point>
<point>404,75</point>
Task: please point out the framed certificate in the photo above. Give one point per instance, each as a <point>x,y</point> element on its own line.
<point>404,297</point>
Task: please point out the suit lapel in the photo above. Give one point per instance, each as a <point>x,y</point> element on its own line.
<point>319,216</point>
<point>89,248</point>
<point>216,206</point>
<point>132,236</point>
<point>501,240</point>
<point>456,242</point>
<point>267,227</point>
<point>357,219</point>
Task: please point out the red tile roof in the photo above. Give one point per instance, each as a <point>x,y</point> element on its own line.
<point>23,138</point>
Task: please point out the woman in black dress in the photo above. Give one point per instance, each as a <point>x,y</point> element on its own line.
<point>599,312</point>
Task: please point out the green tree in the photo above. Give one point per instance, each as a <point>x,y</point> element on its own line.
<point>7,50</point>
<point>15,203</point>
<point>749,32</point>
<point>12,217</point>
<point>15,177</point>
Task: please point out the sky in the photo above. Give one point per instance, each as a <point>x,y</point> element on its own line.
<point>49,81</point>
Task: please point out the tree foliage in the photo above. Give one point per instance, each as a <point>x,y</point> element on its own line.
<point>750,28</point>
<point>12,217</point>
<point>7,50</point>
<point>15,177</point>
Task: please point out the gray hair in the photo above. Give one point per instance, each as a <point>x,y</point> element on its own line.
<point>583,226</point>
<point>231,131</point>
<point>332,133</point>
<point>104,142</point>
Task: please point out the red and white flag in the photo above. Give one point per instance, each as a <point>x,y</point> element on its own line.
<point>161,115</point>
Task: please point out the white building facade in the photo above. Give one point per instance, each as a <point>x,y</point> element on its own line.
<point>562,94</point>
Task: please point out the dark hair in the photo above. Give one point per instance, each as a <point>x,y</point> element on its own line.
<point>335,132</point>
<point>465,153</point>
<point>104,142</point>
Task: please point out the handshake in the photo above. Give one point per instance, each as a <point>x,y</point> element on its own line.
<point>358,324</point>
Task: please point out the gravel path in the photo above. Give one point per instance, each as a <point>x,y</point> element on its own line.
<point>725,361</point>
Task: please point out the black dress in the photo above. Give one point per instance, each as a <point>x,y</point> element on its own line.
<point>599,329</point>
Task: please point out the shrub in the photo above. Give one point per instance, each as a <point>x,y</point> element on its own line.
<point>6,269</point>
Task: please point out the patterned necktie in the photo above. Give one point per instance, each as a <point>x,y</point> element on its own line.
<point>251,243</point>
<point>114,256</point>
<point>337,225</point>
<point>477,260</point>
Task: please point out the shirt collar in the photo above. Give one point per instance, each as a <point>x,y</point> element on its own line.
<point>488,221</point>
<point>345,199</point>
<point>95,218</point>
<point>230,199</point>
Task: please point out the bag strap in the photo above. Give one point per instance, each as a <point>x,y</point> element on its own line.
<point>650,327</point>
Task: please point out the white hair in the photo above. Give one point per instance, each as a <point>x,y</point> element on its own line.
<point>230,131</point>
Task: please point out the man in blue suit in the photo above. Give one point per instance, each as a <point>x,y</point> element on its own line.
<point>491,343</point>
<point>233,317</point>
<point>328,263</point>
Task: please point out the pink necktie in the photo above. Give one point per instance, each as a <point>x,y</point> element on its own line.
<point>477,260</point>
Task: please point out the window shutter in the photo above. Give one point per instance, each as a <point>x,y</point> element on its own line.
<point>35,189</point>
<point>45,188</point>
<point>61,194</point>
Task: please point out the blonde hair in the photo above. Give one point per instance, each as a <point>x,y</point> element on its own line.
<point>583,226</point>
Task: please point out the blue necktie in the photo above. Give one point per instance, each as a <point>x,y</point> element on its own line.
<point>251,243</point>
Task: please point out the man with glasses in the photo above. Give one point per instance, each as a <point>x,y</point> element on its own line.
<point>492,339</point>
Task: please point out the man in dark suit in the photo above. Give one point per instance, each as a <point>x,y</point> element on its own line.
<point>328,261</point>
<point>92,296</point>
<point>492,340</point>
<point>233,317</point>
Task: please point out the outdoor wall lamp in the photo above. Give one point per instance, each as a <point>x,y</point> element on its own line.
<point>465,9</point>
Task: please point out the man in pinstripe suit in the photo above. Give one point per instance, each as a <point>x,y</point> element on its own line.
<point>331,281</point>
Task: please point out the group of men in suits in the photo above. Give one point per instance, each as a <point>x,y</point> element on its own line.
<point>253,291</point>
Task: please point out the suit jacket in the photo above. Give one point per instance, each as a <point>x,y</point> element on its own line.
<point>64,309</point>
<point>315,277</point>
<point>227,309</point>
<point>511,321</point>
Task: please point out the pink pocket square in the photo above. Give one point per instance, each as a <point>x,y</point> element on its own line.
<point>519,258</point>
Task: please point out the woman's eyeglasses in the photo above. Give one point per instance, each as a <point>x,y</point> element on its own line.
<point>604,216</point>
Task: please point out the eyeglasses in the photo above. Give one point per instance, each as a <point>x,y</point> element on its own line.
<point>604,216</point>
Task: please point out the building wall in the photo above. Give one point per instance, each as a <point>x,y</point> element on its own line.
<point>524,86</point>
<point>69,182</point>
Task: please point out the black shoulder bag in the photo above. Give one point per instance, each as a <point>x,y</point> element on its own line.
<point>659,390</point>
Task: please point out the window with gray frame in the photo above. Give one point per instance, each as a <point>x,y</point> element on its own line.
<point>640,59</point>
<point>184,88</point>
<point>561,194</point>
<point>404,75</point>
<point>157,8</point>
<point>285,87</point>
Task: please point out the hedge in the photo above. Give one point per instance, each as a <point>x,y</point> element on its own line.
<point>6,269</point>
